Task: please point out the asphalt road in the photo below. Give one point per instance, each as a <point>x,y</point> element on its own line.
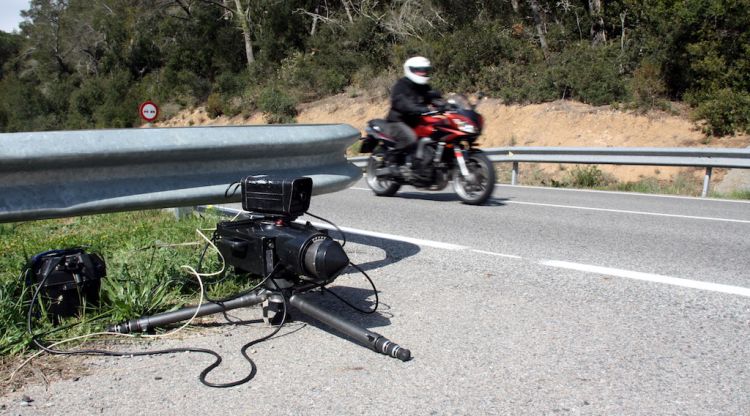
<point>545,301</point>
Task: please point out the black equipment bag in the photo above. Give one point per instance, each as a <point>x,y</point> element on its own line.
<point>69,279</point>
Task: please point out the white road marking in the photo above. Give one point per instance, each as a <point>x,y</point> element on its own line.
<point>619,211</point>
<point>623,211</point>
<point>417,241</point>
<point>628,274</point>
<point>491,253</point>
<point>649,277</point>
<point>695,198</point>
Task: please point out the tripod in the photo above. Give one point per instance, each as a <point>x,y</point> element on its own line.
<point>280,291</point>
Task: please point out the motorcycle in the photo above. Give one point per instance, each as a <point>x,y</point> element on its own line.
<point>445,150</point>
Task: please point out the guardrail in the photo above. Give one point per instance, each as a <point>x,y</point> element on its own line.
<point>66,173</point>
<point>644,156</point>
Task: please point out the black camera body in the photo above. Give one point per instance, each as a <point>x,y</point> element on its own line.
<point>69,279</point>
<point>276,196</point>
<point>268,240</point>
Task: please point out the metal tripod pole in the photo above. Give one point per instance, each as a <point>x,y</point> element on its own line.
<point>148,322</point>
<point>374,341</point>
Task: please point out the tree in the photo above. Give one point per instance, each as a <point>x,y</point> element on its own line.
<point>45,32</point>
<point>598,33</point>
<point>241,12</point>
<point>10,46</point>
<point>539,24</point>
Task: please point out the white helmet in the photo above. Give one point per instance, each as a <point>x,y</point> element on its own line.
<point>418,69</point>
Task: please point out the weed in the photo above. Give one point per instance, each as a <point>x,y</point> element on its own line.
<point>589,176</point>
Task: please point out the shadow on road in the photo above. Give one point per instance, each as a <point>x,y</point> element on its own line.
<point>395,250</point>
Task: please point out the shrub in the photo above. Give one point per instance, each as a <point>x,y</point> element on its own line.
<point>277,105</point>
<point>315,76</point>
<point>647,87</point>
<point>725,111</point>
<point>591,75</point>
<point>587,177</point>
<point>230,83</point>
<point>214,105</point>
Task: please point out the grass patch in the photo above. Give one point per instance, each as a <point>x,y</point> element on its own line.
<point>739,194</point>
<point>682,184</point>
<point>144,253</point>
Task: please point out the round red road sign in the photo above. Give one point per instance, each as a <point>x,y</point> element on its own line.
<point>148,111</point>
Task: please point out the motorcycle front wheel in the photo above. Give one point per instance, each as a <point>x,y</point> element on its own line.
<point>381,186</point>
<point>478,187</point>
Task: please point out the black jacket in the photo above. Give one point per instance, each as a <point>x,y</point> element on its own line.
<point>409,100</point>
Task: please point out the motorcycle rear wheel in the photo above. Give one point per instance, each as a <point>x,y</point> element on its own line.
<point>479,190</point>
<point>380,186</point>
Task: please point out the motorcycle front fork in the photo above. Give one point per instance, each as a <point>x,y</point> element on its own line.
<point>459,153</point>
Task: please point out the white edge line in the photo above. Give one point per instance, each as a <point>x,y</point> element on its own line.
<point>491,253</point>
<point>695,198</point>
<point>417,241</point>
<point>601,191</point>
<point>648,277</point>
<point>629,274</point>
<point>623,211</point>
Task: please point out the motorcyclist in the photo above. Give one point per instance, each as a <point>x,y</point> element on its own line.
<point>410,97</point>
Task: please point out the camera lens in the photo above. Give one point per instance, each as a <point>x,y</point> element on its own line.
<point>325,259</point>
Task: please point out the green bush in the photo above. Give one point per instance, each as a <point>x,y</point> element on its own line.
<point>725,111</point>
<point>277,105</point>
<point>314,76</point>
<point>230,83</point>
<point>214,105</point>
<point>647,86</point>
<point>591,75</point>
<point>589,176</point>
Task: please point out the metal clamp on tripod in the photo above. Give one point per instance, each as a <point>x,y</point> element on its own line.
<point>268,241</point>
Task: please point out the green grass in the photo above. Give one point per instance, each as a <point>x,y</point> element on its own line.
<point>741,194</point>
<point>681,184</point>
<point>144,267</point>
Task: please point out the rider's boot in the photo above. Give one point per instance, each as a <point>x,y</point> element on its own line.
<point>393,159</point>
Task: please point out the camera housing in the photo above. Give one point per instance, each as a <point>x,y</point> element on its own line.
<point>276,196</point>
<point>258,246</point>
<point>268,240</point>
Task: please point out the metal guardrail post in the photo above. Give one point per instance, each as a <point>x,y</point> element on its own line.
<point>514,174</point>
<point>706,181</point>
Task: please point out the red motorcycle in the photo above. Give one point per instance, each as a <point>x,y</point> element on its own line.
<point>445,150</point>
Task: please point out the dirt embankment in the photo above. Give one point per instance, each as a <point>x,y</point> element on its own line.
<point>560,123</point>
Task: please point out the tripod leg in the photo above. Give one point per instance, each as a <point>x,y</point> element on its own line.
<point>376,342</point>
<point>147,322</point>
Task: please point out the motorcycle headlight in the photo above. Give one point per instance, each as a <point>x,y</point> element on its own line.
<point>465,127</point>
